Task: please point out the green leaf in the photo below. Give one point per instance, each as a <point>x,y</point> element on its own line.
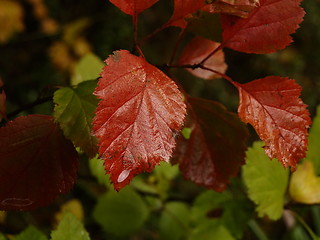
<point>30,233</point>
<point>88,68</point>
<point>121,213</point>
<point>97,170</point>
<point>2,237</point>
<point>231,212</point>
<point>313,153</point>
<point>266,181</point>
<point>74,111</point>
<point>174,221</point>
<point>70,228</point>
<point>212,230</point>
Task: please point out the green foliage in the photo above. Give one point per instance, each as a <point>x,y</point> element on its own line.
<point>31,233</point>
<point>314,139</point>
<point>121,213</point>
<point>266,181</point>
<point>97,170</point>
<point>70,228</point>
<point>74,112</point>
<point>174,221</point>
<point>211,231</point>
<point>88,68</point>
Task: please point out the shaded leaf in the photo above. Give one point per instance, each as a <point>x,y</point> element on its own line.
<point>74,111</point>
<point>37,163</point>
<point>266,181</point>
<point>70,228</point>
<point>198,49</point>
<point>228,210</point>
<point>139,111</point>
<point>273,107</point>
<point>3,110</point>
<point>174,221</point>
<point>31,233</point>
<point>133,7</point>
<point>266,29</point>
<point>121,213</point>
<point>182,10</point>
<point>212,230</point>
<point>305,185</point>
<point>205,158</point>
<point>88,68</point>
<point>313,153</point>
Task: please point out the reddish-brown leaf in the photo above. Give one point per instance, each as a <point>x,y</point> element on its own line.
<point>139,110</point>
<point>273,107</point>
<point>267,28</point>
<point>182,10</point>
<point>3,111</point>
<point>133,7</point>
<point>240,8</point>
<point>36,163</point>
<point>216,147</point>
<point>196,51</point>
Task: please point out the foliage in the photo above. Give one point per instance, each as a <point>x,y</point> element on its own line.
<point>149,109</point>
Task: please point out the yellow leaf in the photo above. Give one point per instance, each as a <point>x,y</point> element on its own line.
<point>305,185</point>
<point>74,206</point>
<point>11,15</point>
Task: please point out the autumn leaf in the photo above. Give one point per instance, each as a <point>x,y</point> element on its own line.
<point>198,49</point>
<point>305,184</point>
<point>36,163</point>
<point>273,107</point>
<point>74,111</point>
<point>240,8</point>
<point>133,7</point>
<point>216,147</point>
<point>267,28</point>
<point>139,111</point>
<point>182,10</point>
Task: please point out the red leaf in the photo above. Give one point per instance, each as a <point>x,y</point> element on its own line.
<point>196,51</point>
<point>37,163</point>
<point>216,147</point>
<point>133,7</point>
<point>273,107</point>
<point>182,10</point>
<point>240,8</point>
<point>267,28</point>
<point>140,108</point>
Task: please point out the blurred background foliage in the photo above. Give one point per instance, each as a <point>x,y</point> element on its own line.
<point>45,44</point>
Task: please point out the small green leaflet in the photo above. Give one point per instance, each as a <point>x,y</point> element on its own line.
<point>31,233</point>
<point>174,221</point>
<point>314,139</point>
<point>88,68</point>
<point>121,213</point>
<point>74,111</point>
<point>70,228</point>
<point>266,181</point>
<point>212,230</point>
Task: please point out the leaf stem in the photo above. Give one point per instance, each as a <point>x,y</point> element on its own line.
<point>136,44</point>
<point>305,225</point>
<point>254,226</point>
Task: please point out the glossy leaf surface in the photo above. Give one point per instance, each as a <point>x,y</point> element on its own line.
<point>266,29</point>
<point>205,158</point>
<point>36,163</point>
<point>139,110</point>
<point>266,181</point>
<point>74,111</point>
<point>273,107</point>
<point>198,49</point>
<point>133,7</point>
